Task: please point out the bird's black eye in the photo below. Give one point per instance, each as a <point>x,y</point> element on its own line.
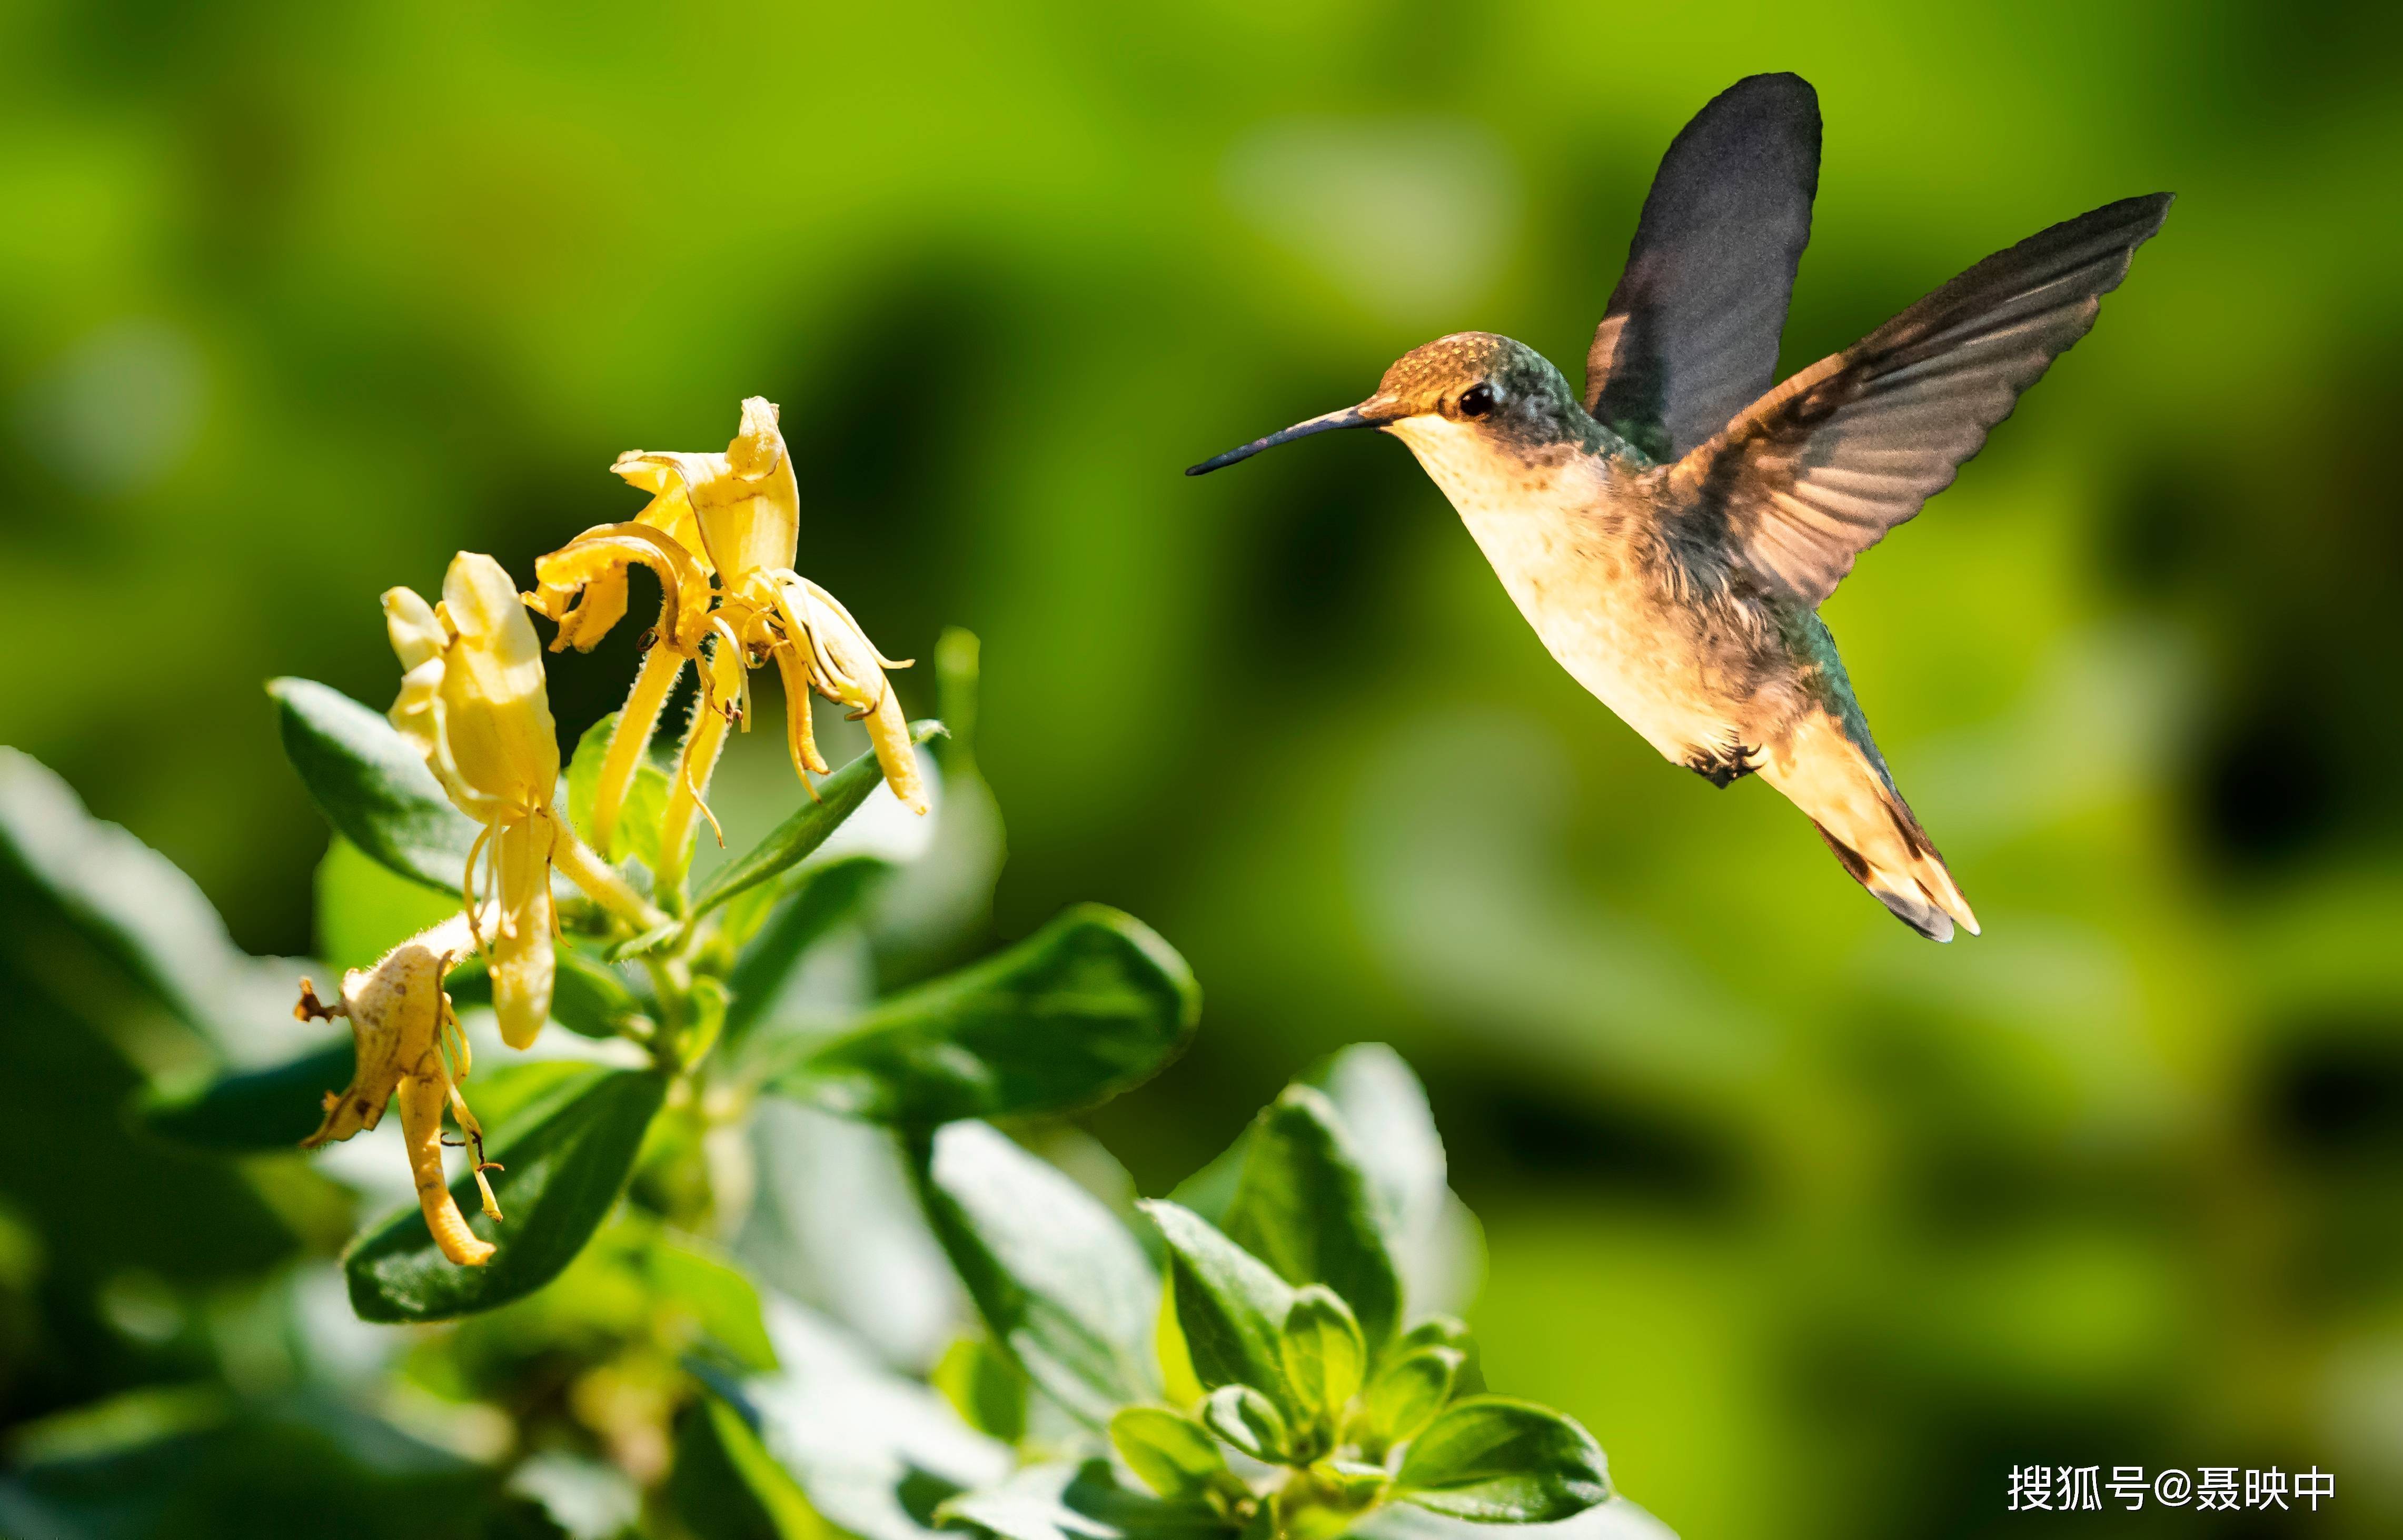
<point>1476,400</point>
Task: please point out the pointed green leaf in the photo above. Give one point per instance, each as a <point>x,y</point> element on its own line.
<point>1382,1106</point>
<point>1325,1355</point>
<point>1356,1484</point>
<point>1072,1501</point>
<point>984,1387</point>
<point>1249,1420</point>
<point>267,1465</point>
<point>1173,1454</point>
<point>364,909</point>
<point>567,1157</point>
<point>1385,1109</point>
<point>814,900</point>
<point>251,1112</point>
<point>1405,1397</point>
<point>114,930</point>
<point>839,795</point>
<point>1230,1307</point>
<point>589,998</point>
<point>1304,1207</point>
<point>1089,1006</point>
<point>1447,1331</point>
<point>1501,1462</point>
<point>371,784</point>
<point>87,1186</point>
<point>716,1296</point>
<point>636,832</point>
<point>1062,1284</point>
<point>725,1486</point>
<point>876,1453</point>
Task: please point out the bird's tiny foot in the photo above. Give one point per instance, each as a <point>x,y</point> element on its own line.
<point>1723,765</point>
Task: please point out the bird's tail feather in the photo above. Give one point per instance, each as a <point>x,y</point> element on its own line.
<point>1869,825</point>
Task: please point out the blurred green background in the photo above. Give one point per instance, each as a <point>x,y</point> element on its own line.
<point>1821,1229</point>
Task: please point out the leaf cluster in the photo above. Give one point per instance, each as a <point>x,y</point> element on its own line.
<point>1261,1353</point>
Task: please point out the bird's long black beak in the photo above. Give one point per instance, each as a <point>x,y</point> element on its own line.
<point>1362,416</point>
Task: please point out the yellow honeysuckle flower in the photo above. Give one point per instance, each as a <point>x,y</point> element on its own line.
<point>410,1043</point>
<point>474,701</point>
<point>737,516</point>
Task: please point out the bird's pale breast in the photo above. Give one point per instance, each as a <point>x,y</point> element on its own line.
<point>1581,557</point>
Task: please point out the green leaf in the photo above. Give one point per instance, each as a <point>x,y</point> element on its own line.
<point>1405,1397</point>
<point>1382,1106</point>
<point>1173,1454</point>
<point>251,1112</point>
<point>100,1198</point>
<point>1325,1357</point>
<point>589,998</point>
<point>1385,1109</point>
<point>725,1486</point>
<point>1091,1005</point>
<point>1230,1307</point>
<point>116,933</point>
<point>717,1296</point>
<point>637,830</point>
<point>1249,1420</point>
<point>567,1157</point>
<point>1062,1284</point>
<point>814,901</point>
<point>364,909</point>
<point>372,785</point>
<point>649,940</point>
<point>984,1387</point>
<point>277,1464</point>
<point>1356,1484</point>
<point>876,1454</point>
<point>839,795</point>
<point>1496,1461</point>
<point>1303,1206</point>
<point>1068,1501</point>
<point>1447,1331</point>
<point>836,1223</point>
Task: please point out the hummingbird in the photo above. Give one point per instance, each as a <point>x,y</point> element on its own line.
<point>1671,533</point>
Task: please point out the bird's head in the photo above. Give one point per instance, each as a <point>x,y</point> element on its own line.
<point>1470,396</point>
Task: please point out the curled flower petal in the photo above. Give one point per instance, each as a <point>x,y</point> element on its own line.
<point>844,665</point>
<point>594,563</point>
<point>802,744</point>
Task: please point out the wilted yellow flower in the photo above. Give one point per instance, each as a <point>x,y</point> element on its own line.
<point>473,701</point>
<point>737,517</point>
<point>410,1043</point>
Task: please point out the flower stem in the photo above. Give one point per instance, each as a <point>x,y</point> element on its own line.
<point>602,883</point>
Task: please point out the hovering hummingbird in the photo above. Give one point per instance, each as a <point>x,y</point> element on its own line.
<point>1671,533</point>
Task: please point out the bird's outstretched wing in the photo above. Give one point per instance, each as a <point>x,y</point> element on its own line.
<point>1691,336</point>
<point>1817,470</point>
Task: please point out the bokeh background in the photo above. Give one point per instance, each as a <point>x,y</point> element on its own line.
<point>1820,1228</point>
